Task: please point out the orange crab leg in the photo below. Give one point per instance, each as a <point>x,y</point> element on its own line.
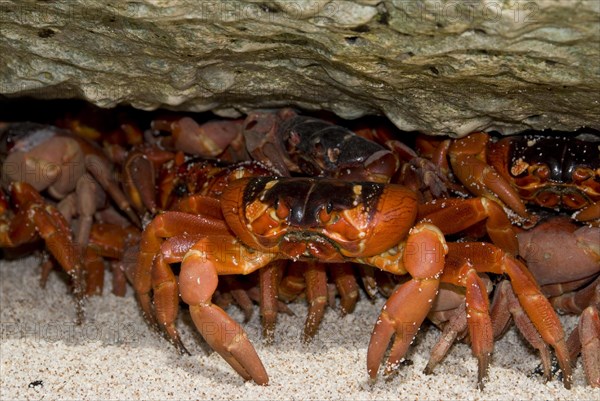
<point>461,271</point>
<point>58,242</point>
<point>200,204</point>
<point>183,230</point>
<point>506,305</point>
<point>345,282</point>
<point>139,176</point>
<point>101,171</point>
<point>408,306</point>
<point>466,158</point>
<point>455,215</point>
<point>94,269</point>
<point>487,258</point>
<point>435,149</point>
<point>166,225</point>
<point>268,279</point>
<point>110,241</point>
<point>198,281</point>
<point>577,301</point>
<point>16,231</point>
<point>439,156</point>
<point>240,296</point>
<point>316,295</point>
<point>166,290</point>
<point>456,325</point>
<point>172,250</point>
<point>292,284</point>
<point>255,295</point>
<point>479,323</point>
<point>119,279</point>
<point>88,197</point>
<point>166,301</point>
<point>139,184</point>
<point>46,267</point>
<point>52,227</point>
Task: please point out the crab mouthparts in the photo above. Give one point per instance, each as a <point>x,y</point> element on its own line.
<point>310,246</point>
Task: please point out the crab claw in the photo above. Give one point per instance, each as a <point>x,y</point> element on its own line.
<point>227,337</point>
<point>198,281</point>
<point>408,306</point>
<point>399,319</point>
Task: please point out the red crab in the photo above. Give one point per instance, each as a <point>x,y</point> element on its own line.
<point>569,275</point>
<point>550,171</point>
<point>73,172</point>
<point>261,220</point>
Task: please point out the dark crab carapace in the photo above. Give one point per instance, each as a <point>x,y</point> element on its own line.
<point>550,171</point>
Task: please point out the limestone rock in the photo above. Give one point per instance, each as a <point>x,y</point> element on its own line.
<point>437,66</point>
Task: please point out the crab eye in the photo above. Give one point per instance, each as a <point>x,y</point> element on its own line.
<point>329,207</point>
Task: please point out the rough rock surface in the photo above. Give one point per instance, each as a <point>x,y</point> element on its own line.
<point>439,66</point>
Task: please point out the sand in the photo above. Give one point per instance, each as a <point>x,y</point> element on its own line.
<point>114,355</point>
